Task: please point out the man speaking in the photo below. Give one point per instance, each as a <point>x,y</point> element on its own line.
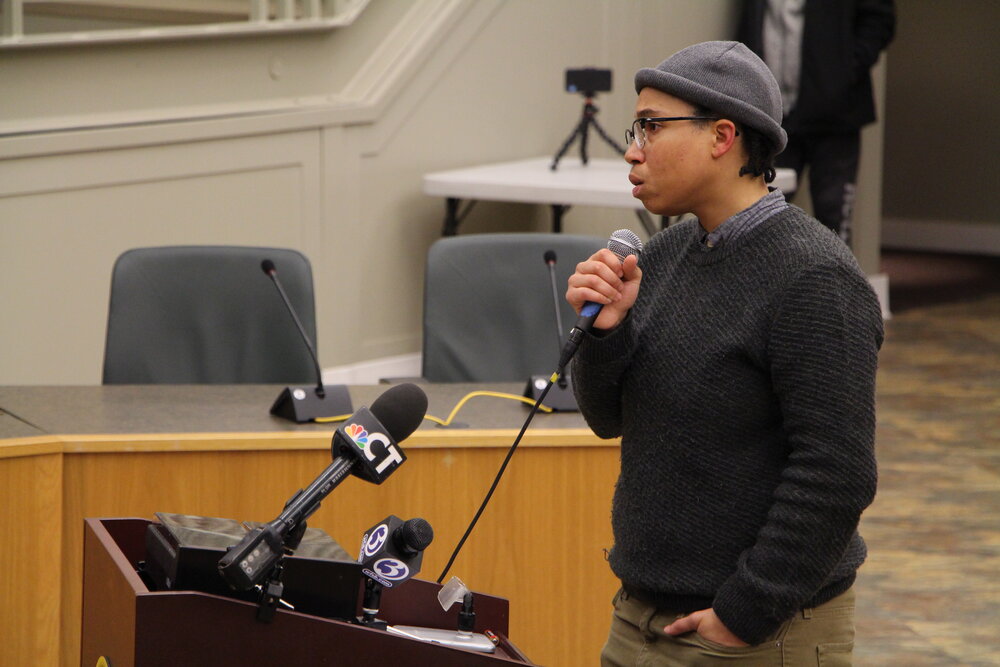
<point>736,359</point>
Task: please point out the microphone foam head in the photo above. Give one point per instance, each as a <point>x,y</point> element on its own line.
<point>550,256</point>
<point>267,266</point>
<point>624,242</point>
<point>400,410</point>
<point>415,535</point>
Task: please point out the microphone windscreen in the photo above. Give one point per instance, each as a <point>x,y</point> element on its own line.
<point>623,243</point>
<point>550,256</point>
<point>400,410</point>
<point>415,535</point>
<point>268,266</point>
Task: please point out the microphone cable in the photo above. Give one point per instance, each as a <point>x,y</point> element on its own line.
<point>503,466</point>
<point>536,406</point>
<point>458,406</point>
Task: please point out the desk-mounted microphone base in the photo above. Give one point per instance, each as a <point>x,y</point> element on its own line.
<point>301,404</point>
<point>559,398</point>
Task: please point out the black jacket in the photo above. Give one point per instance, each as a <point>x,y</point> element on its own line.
<point>841,41</point>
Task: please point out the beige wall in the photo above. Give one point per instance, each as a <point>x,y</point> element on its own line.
<point>942,109</point>
<point>315,141</point>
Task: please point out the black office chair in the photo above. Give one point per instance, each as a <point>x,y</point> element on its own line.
<point>488,305</point>
<point>208,315</point>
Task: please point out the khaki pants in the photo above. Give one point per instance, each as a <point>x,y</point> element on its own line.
<point>822,635</point>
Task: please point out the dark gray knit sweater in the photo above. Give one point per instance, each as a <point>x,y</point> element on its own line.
<point>742,384</point>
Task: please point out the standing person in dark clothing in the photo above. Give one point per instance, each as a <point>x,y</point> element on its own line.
<point>736,360</point>
<point>822,52</point>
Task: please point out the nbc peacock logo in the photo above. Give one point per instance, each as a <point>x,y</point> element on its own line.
<point>358,434</point>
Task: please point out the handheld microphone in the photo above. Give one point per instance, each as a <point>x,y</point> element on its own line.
<point>366,445</point>
<point>623,242</point>
<point>561,397</point>
<point>391,552</point>
<point>299,404</point>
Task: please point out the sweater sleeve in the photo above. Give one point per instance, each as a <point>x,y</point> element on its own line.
<point>598,370</point>
<point>822,349</point>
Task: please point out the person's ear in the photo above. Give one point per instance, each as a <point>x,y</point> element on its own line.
<point>724,137</point>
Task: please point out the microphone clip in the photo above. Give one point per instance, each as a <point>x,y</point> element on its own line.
<point>467,615</point>
<point>370,606</point>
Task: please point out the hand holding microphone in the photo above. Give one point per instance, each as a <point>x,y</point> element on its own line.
<point>609,280</point>
<point>603,289</point>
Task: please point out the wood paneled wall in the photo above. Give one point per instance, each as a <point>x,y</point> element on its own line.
<point>30,553</point>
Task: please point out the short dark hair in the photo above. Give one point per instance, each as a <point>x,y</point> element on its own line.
<point>759,149</point>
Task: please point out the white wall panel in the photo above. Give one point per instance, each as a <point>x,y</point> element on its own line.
<point>64,220</point>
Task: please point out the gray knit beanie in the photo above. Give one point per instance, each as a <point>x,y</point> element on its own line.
<point>727,78</point>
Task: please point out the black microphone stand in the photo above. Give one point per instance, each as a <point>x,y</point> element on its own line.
<point>587,120</point>
<point>273,587</point>
<point>370,605</point>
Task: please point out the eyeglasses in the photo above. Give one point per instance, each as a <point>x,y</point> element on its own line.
<point>639,125</point>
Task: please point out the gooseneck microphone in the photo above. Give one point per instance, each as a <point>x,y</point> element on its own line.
<point>272,272</point>
<point>550,261</point>
<point>366,445</point>
<point>296,403</point>
<point>623,242</point>
<point>561,397</point>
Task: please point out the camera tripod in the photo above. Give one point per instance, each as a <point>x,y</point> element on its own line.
<point>587,120</point>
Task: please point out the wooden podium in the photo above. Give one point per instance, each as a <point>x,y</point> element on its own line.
<point>131,626</point>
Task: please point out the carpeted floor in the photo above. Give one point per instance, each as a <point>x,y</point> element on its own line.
<point>929,593</point>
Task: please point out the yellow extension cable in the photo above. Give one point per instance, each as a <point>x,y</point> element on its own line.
<point>458,406</point>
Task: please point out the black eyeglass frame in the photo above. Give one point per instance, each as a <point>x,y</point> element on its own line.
<point>630,134</point>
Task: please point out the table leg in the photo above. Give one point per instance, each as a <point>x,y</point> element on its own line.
<point>557,216</point>
<point>451,216</point>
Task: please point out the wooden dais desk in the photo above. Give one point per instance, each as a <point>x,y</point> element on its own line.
<point>68,453</point>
